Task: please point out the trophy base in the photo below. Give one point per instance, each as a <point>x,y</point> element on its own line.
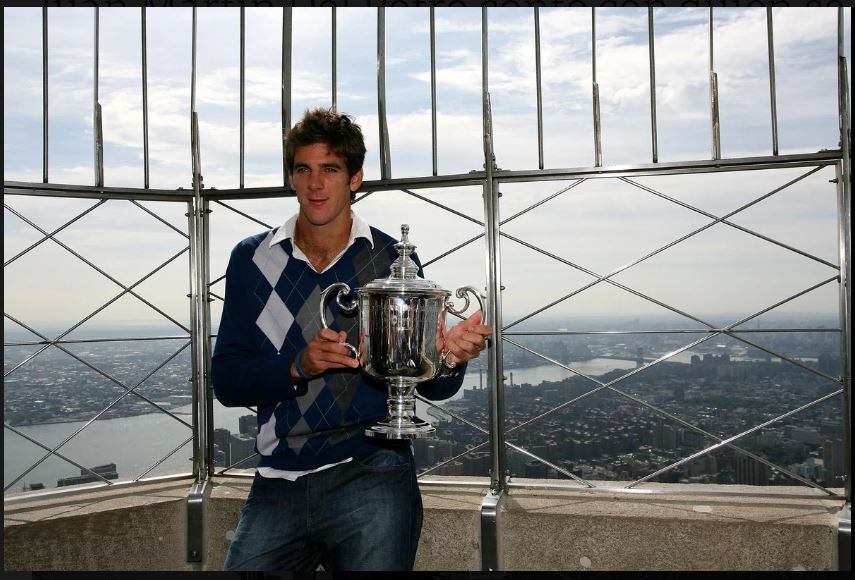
<point>414,429</point>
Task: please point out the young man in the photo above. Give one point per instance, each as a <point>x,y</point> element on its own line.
<point>323,493</point>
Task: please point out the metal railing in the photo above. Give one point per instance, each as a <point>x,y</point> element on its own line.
<point>490,178</point>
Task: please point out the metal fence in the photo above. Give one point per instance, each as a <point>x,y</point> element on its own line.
<point>492,233</point>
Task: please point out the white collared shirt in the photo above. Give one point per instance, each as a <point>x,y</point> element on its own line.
<point>359,228</point>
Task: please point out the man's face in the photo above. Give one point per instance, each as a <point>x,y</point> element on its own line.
<point>322,183</point>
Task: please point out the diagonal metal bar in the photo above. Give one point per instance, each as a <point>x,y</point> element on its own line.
<point>663,357</point>
<point>235,464</point>
<point>725,330</point>
<point>167,456</point>
<point>99,309</point>
<point>737,436</point>
<point>108,376</point>
<point>53,233</point>
<point>445,207</point>
<point>246,215</point>
<point>158,218</point>
<point>60,455</point>
<point>544,200</point>
<point>363,196</point>
<point>104,410</point>
<point>126,289</point>
<point>511,445</point>
<point>455,458</point>
<point>599,279</point>
<point>681,421</point>
<point>607,277</point>
<point>730,223</point>
<point>784,357</point>
<point>503,222</point>
<point>452,250</point>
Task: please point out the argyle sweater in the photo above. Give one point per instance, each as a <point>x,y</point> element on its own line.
<point>271,312</point>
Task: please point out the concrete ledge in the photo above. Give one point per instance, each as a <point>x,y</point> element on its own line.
<point>133,528</point>
<point>143,527</point>
<point>578,530</point>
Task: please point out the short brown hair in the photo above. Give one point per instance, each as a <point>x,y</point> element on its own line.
<point>338,130</point>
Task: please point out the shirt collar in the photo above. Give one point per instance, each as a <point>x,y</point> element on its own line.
<point>359,229</point>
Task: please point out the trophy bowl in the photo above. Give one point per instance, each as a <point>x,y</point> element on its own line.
<point>401,330</point>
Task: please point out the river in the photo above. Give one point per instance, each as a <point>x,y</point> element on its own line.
<point>136,443</point>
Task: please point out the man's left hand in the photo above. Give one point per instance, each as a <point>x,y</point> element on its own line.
<point>467,338</point>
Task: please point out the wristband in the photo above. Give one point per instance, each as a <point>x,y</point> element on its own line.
<point>299,369</point>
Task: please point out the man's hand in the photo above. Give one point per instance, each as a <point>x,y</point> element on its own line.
<point>466,339</point>
<point>325,352</point>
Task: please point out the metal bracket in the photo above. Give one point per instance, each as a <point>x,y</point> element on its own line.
<point>844,538</point>
<point>490,530</point>
<point>195,519</point>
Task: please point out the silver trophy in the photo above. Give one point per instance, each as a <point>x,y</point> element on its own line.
<point>401,330</point>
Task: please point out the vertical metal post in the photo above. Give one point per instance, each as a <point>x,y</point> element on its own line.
<point>192,77</point>
<point>772,97</point>
<point>650,35</point>
<point>490,556</point>
<point>202,404</point>
<point>242,92</point>
<point>714,116</point>
<point>385,165</point>
<point>96,115</point>
<point>203,465</point>
<point>44,94</point>
<point>494,313</point>
<point>844,213</point>
<point>99,147</point>
<point>433,85</point>
<point>287,24</point>
<point>334,62</point>
<point>539,88</point>
<point>145,100</point>
<point>598,132</point>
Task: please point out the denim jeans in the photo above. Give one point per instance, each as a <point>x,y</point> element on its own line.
<point>362,515</point>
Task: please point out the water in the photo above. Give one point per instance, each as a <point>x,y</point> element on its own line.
<point>136,443</point>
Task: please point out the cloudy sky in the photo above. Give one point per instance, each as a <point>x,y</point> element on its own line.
<point>599,225</point>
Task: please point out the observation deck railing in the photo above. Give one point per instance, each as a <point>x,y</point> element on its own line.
<point>201,202</point>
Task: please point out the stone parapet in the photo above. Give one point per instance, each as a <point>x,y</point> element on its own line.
<point>144,527</point>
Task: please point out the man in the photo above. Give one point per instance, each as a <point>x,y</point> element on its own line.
<point>323,493</point>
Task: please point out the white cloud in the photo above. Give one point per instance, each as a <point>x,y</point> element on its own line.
<point>806,80</point>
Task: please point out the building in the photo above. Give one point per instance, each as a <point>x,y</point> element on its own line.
<point>248,424</point>
<point>222,440</point>
<point>242,446</point>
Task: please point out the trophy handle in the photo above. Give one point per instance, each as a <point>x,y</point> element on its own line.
<point>462,292</point>
<point>339,288</point>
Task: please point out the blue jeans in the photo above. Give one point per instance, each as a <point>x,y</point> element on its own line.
<point>362,515</point>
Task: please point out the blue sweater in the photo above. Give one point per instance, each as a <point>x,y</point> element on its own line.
<point>271,311</point>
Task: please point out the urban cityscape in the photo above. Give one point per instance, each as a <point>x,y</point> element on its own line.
<point>717,389</point>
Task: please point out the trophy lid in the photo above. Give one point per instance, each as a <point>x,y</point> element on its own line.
<point>404,276</point>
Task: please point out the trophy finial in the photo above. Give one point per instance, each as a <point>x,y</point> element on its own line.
<point>404,267</point>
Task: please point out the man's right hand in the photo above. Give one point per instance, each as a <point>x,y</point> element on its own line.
<point>325,351</point>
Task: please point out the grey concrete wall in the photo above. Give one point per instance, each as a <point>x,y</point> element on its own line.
<point>140,528</point>
<point>144,528</point>
<point>561,530</point>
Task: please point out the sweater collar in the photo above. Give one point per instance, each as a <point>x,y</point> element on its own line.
<point>359,229</point>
